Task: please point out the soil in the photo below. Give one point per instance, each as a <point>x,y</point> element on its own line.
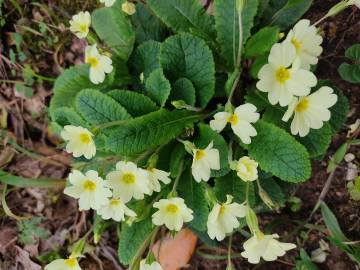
<point>27,125</point>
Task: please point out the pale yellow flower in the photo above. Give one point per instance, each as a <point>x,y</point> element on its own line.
<point>266,247</point>
<point>108,3</point>
<point>172,213</point>
<point>63,264</point>
<point>128,8</point>
<point>115,209</point>
<point>153,266</point>
<point>240,121</point>
<point>89,189</point>
<point>99,64</point>
<point>155,176</point>
<point>223,218</point>
<point>205,160</point>
<point>128,181</point>
<point>310,111</point>
<point>80,24</point>
<point>246,169</point>
<point>80,141</point>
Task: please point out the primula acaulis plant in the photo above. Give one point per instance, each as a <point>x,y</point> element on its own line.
<point>181,116</point>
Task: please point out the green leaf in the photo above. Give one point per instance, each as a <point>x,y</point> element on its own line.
<point>279,153</point>
<point>136,104</point>
<point>232,185</point>
<point>269,184</point>
<point>68,84</point>
<point>142,133</point>
<point>98,108</point>
<point>305,263</point>
<point>290,13</point>
<point>332,224</point>
<point>261,42</point>
<point>257,98</point>
<point>157,87</point>
<point>187,56</point>
<point>351,72</point>
<point>194,195</point>
<point>259,62</point>
<point>147,26</point>
<point>132,238</point>
<point>115,29</point>
<point>317,141</point>
<point>7,178</point>
<point>146,58</point>
<point>177,156</point>
<point>183,89</point>
<point>206,136</point>
<point>68,116</point>
<point>340,110</point>
<point>183,16</point>
<point>227,26</point>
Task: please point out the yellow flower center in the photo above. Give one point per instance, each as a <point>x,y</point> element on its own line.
<point>85,138</point>
<point>296,44</point>
<point>83,28</point>
<point>233,119</point>
<point>89,185</point>
<point>93,61</point>
<point>222,209</point>
<point>115,202</point>
<point>303,105</point>
<point>200,154</point>
<point>282,75</point>
<point>71,262</point>
<point>129,178</point>
<point>172,208</point>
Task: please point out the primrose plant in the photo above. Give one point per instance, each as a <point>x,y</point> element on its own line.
<point>187,117</point>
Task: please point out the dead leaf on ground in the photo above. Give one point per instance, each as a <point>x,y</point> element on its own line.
<point>175,253</point>
<point>23,258</point>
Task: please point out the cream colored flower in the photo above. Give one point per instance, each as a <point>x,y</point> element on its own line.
<point>205,160</point>
<point>99,64</point>
<point>128,8</point>
<point>108,3</point>
<point>89,189</point>
<point>115,209</point>
<point>172,213</point>
<point>223,218</point>
<point>282,77</point>
<point>128,181</point>
<point>153,266</point>
<point>155,176</point>
<point>306,41</point>
<point>80,24</point>
<point>80,141</point>
<point>63,264</point>
<point>265,246</point>
<point>240,121</point>
<point>310,111</point>
<point>246,169</point>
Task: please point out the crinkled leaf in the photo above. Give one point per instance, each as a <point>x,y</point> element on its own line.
<point>136,104</point>
<point>132,238</point>
<point>232,185</point>
<point>146,58</point>
<point>351,72</point>
<point>147,25</point>
<point>227,26</point>
<point>157,87</point>
<point>142,133</point>
<point>194,195</point>
<point>187,56</point>
<point>98,108</point>
<point>279,153</point>
<point>183,89</point>
<point>317,141</point>
<point>261,42</point>
<point>205,137</point>
<point>68,84</point>
<point>115,29</point>
<point>183,15</point>
<point>287,14</point>
<point>68,116</point>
